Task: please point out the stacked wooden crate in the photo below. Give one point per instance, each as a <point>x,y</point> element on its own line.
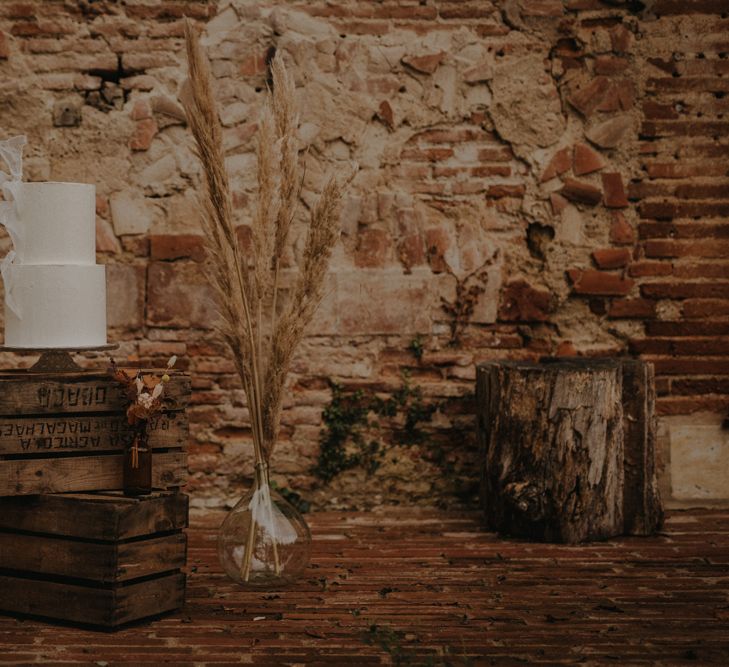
<point>72,546</point>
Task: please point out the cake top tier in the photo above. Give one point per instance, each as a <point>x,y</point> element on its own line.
<point>56,223</point>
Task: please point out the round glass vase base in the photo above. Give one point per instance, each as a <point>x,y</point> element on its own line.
<point>264,542</point>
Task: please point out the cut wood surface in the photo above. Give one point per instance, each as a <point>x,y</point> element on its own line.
<point>24,394</point>
<point>104,516</point>
<point>56,475</point>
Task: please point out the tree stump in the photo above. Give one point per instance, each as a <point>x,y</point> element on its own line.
<point>554,436</point>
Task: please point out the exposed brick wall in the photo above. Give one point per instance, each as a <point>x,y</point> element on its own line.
<point>573,151</point>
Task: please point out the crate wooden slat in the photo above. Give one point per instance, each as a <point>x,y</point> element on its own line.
<point>67,431</point>
<point>70,393</point>
<point>100,559</point>
<point>104,607</point>
<point>63,514</point>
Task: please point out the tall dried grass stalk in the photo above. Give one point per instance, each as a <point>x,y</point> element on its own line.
<point>261,341</point>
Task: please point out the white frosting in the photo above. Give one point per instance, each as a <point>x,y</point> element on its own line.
<point>58,292</point>
<point>57,223</point>
<point>61,306</point>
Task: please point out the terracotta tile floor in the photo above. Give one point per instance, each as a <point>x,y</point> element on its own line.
<point>430,588</point>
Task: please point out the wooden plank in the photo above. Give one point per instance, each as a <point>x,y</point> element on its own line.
<point>24,394</point>
<point>148,598</point>
<point>169,512</point>
<point>642,507</point>
<point>87,473</point>
<point>106,607</point>
<point>83,433</point>
<point>95,516</point>
<point>141,558</point>
<point>104,562</point>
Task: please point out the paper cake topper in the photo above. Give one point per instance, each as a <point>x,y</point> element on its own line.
<point>11,151</point>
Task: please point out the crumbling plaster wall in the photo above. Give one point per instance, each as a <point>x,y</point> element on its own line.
<point>533,145</point>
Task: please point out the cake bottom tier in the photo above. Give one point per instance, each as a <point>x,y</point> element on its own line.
<point>60,306</point>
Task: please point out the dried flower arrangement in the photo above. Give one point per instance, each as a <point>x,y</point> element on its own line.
<point>261,328</point>
<point>145,399</point>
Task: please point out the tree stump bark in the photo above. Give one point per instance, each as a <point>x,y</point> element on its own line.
<point>554,438</point>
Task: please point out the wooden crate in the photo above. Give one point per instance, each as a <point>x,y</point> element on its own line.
<point>97,558</point>
<point>67,431</point>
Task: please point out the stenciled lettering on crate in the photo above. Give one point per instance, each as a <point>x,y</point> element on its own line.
<point>67,432</point>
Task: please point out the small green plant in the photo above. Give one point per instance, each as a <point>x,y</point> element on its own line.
<point>355,423</point>
<point>345,421</point>
<point>294,498</point>
<point>416,347</point>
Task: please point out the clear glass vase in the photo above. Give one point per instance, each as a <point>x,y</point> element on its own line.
<point>264,541</point>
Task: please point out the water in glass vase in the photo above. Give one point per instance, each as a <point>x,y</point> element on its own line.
<point>264,541</point>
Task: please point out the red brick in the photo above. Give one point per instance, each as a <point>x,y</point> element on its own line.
<point>136,244</point>
<point>702,270</point>
<point>141,110</point>
<point>582,192</point>
<point>686,290</point>
<point>503,190</point>
<point>102,206</point>
<point>708,248</point>
<point>610,133</point>
<point>705,308</point>
<point>610,65</point>
<point>688,328</point>
<point>427,63</point>
<point>621,39</point>
<point>650,269</point>
<point>558,203</point>
<point>4,46</point>
<point>465,10</point>
<point>590,97</point>
<point>632,309</point>
<point>612,184</point>
<point>437,242</point>
<point>177,246</point>
<point>585,160</point>
<point>491,170</point>
<point>662,210</point>
<point>363,27</point>
<point>144,132</point>
<point>253,65</point>
<point>520,302</point>
<point>386,114</point>
<point>611,258</point>
<point>621,233</point>
<point>411,250</point>
<point>179,295</point>
<point>599,283</point>
<point>566,349</point>
<point>106,240</point>
<point>372,248</point>
<point>561,161</point>
<point>654,110</point>
<point>671,406</point>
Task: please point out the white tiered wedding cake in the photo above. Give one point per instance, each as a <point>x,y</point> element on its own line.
<point>55,293</point>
